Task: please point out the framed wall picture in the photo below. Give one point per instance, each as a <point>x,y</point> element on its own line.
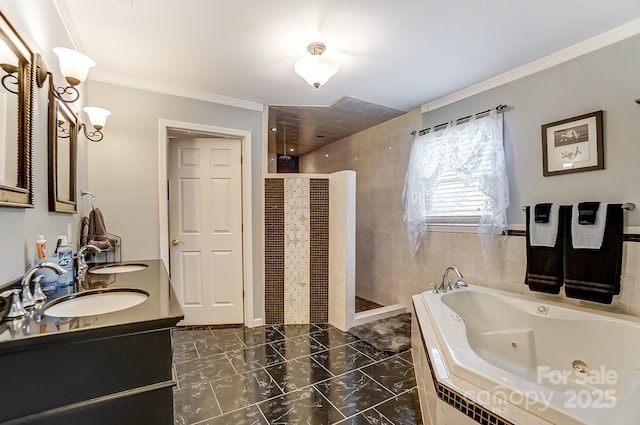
<point>573,145</point>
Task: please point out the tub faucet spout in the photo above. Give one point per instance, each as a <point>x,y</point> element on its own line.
<point>446,285</point>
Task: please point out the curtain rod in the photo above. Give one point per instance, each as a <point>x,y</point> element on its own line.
<point>499,109</point>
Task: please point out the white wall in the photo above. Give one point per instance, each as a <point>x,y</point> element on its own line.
<point>342,249</point>
<point>607,79</point>
<point>39,25</point>
<point>123,168</point>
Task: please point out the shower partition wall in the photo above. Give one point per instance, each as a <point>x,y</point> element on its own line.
<point>306,260</point>
<point>310,251</point>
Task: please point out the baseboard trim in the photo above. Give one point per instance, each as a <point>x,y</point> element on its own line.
<point>256,322</point>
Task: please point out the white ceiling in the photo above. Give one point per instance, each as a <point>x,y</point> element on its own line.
<point>395,53</point>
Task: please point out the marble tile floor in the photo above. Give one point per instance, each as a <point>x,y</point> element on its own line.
<point>289,374</point>
<point>364,305</point>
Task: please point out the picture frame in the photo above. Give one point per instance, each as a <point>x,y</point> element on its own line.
<point>573,145</point>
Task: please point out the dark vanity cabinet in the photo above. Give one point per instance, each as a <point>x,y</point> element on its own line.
<point>106,369</point>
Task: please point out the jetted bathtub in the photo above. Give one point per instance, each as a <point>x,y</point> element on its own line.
<point>560,363</point>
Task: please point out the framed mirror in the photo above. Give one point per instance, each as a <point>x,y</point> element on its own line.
<point>17,75</point>
<point>63,136</point>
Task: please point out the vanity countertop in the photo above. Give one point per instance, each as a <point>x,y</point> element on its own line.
<point>161,309</point>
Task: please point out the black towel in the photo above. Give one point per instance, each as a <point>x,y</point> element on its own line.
<point>541,212</point>
<point>587,212</point>
<point>594,274</point>
<point>544,264</point>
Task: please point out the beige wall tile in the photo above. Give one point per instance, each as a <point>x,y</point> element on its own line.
<point>386,272</point>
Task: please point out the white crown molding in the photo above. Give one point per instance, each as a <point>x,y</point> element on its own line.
<point>120,80</point>
<point>605,39</point>
<point>67,22</point>
<point>153,86</point>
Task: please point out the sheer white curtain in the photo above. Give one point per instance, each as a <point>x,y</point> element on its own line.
<point>459,173</point>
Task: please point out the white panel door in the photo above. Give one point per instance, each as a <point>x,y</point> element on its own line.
<point>205,227</point>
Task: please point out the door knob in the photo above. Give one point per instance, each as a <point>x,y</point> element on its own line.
<point>176,242</point>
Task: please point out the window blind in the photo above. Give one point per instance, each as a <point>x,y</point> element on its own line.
<point>455,199</point>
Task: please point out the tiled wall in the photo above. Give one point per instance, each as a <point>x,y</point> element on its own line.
<point>386,272</point>
<point>378,156</point>
<point>297,241</point>
<point>274,250</point>
<point>319,250</point>
<point>296,250</point>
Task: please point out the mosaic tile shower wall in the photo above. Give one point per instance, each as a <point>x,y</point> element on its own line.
<point>319,255</point>
<point>274,250</point>
<point>296,250</point>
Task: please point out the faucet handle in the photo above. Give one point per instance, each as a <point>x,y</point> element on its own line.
<point>435,288</point>
<point>15,310</point>
<point>449,285</point>
<point>38,295</point>
<point>27,297</point>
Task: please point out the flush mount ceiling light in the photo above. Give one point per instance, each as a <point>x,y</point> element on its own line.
<point>316,69</point>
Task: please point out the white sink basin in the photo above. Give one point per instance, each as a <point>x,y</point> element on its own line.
<point>117,268</point>
<point>100,301</point>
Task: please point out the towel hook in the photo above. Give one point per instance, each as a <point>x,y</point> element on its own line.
<point>93,197</point>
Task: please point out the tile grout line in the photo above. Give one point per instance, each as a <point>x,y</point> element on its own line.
<point>243,407</point>
<point>329,401</point>
<point>215,397</point>
<point>231,363</point>
<point>333,375</point>
<point>261,412</point>
<point>363,353</point>
<point>313,329</point>
<point>377,382</point>
<point>394,395</point>
<point>375,406</point>
<point>275,382</point>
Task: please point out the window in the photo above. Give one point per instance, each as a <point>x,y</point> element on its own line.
<point>457,176</point>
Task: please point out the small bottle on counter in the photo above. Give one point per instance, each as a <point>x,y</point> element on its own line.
<point>65,260</point>
<point>49,280</point>
<point>41,247</point>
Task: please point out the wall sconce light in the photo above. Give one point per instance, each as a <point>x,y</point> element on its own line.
<point>9,64</point>
<point>62,130</point>
<point>74,66</point>
<point>316,69</point>
<point>97,119</point>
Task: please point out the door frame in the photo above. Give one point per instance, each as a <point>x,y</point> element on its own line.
<point>244,137</point>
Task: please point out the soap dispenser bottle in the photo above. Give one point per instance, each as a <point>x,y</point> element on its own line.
<point>65,260</point>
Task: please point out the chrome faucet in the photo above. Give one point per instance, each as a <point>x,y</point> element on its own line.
<point>15,310</point>
<point>82,263</point>
<point>28,300</point>
<point>446,285</point>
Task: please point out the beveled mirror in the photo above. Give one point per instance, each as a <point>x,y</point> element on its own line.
<point>17,75</point>
<point>63,134</point>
